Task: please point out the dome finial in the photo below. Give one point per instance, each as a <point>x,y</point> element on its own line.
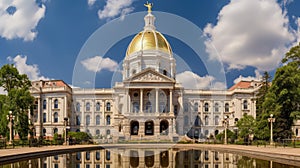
<point>149,6</point>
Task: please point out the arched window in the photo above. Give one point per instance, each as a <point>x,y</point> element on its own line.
<point>245,104</point>
<point>87,155</point>
<point>148,107</point>
<point>108,120</point>
<point>55,130</point>
<point>226,107</point>
<point>206,120</point>
<point>216,107</point>
<point>136,107</point>
<point>217,122</point>
<point>97,106</point>
<point>108,132</point>
<point>44,117</point>
<point>108,106</point>
<point>186,120</point>
<point>162,106</point>
<point>165,72</point>
<point>97,132</point>
<point>97,155</point>
<point>87,106</point>
<point>78,120</point>
<point>88,120</point>
<point>44,131</point>
<point>44,104</point>
<point>196,107</point>
<point>77,106</point>
<point>206,107</point>
<point>55,103</point>
<point>97,120</point>
<point>55,117</point>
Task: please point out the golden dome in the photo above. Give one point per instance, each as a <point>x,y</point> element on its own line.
<point>149,40</point>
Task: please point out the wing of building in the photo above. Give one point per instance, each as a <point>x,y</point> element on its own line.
<point>149,103</point>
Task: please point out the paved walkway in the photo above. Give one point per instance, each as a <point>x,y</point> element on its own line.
<point>285,155</point>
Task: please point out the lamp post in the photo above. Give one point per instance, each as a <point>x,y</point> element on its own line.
<point>10,118</point>
<point>65,124</point>
<point>271,121</point>
<point>225,123</point>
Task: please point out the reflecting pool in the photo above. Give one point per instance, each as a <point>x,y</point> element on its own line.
<point>156,158</point>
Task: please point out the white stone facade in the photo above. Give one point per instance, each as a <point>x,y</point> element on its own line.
<point>149,103</point>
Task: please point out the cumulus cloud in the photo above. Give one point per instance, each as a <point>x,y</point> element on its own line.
<point>98,63</point>
<point>91,2</point>
<point>250,33</point>
<point>191,80</point>
<point>32,71</point>
<point>257,77</point>
<point>115,8</point>
<point>19,18</point>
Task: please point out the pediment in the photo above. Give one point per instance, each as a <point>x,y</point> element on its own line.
<point>150,75</point>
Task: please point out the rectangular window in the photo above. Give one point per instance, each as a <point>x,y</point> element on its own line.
<point>44,117</point>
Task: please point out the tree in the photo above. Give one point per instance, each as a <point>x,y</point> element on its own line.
<point>246,126</point>
<point>283,97</point>
<point>18,99</point>
<point>261,95</point>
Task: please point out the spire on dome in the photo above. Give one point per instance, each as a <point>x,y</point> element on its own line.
<point>149,18</point>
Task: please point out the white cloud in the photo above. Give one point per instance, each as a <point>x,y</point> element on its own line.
<point>98,63</point>
<point>20,22</point>
<point>32,71</point>
<point>2,91</point>
<point>115,8</point>
<point>191,80</point>
<point>257,77</point>
<point>91,2</point>
<point>250,33</point>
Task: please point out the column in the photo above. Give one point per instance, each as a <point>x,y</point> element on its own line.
<point>39,110</point>
<point>82,115</point>
<point>103,114</point>
<point>141,100</point>
<point>92,108</point>
<point>171,102</point>
<point>156,101</point>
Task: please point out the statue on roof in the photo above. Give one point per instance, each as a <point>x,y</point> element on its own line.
<point>149,6</point>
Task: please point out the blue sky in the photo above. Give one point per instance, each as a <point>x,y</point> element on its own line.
<point>43,38</point>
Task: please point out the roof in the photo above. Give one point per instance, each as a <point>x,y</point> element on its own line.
<point>242,85</point>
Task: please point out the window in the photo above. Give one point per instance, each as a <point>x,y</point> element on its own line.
<point>44,104</point>
<point>206,107</point>
<point>97,106</point>
<point>108,120</point>
<point>55,157</point>
<point>97,132</point>
<point>165,72</point>
<point>217,120</point>
<point>44,131</point>
<point>55,130</point>
<point>78,120</point>
<point>107,132</point>
<point>78,156</point>
<point>55,103</point>
<point>55,117</point>
<point>97,155</point>
<point>108,106</point>
<point>107,155</point>
<point>245,105</point>
<point>55,165</point>
<point>216,107</point>
<point>77,106</point>
<point>44,117</point>
<point>185,107</point>
<point>87,155</point>
<point>206,120</point>
<point>226,107</point>
<point>88,120</point>
<point>87,106</point>
<point>136,107</point>
<point>175,109</point>
<point>97,120</point>
<point>148,107</point>
<point>186,120</point>
<point>196,107</point>
<point>162,107</point>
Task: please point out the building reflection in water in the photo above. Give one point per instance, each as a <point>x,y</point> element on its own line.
<point>134,158</point>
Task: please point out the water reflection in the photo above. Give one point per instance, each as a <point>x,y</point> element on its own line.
<point>163,158</point>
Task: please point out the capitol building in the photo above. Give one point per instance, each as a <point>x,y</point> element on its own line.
<point>149,103</point>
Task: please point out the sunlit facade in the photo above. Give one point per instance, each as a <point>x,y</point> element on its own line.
<point>149,104</point>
